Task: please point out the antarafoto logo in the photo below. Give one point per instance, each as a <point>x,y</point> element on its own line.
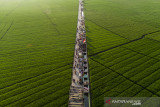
<point>108,101</point>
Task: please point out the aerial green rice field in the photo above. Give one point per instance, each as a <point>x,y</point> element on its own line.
<point>36,51</point>
<point>124,48</point>
<point>37,39</point>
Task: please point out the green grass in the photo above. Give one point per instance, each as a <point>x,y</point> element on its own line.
<point>36,51</point>
<point>124,48</point>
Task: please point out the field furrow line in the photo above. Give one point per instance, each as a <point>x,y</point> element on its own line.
<point>127,78</point>
<point>141,53</point>
<point>7,30</point>
<point>107,29</point>
<point>51,21</point>
<point>34,76</point>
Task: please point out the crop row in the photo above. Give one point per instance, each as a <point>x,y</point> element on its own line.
<point>34,85</point>
<point>42,76</point>
<point>124,68</point>
<point>36,53</point>
<point>130,20</point>
<point>102,38</point>
<point>111,84</point>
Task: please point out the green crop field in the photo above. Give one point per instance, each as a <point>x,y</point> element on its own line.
<point>37,40</point>
<point>36,51</point>
<point>123,39</point>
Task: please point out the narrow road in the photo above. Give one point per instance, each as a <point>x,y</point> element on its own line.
<point>79,89</point>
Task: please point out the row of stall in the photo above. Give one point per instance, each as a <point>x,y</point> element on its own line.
<point>80,75</point>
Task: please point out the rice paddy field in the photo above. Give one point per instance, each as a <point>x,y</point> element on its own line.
<point>37,40</point>
<point>36,52</point>
<point>124,48</point>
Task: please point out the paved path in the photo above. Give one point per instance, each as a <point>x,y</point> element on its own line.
<point>79,90</point>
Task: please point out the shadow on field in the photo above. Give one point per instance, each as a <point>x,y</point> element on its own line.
<point>89,45</point>
<point>84,2</point>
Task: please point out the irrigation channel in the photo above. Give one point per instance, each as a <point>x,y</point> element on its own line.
<point>79,95</point>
